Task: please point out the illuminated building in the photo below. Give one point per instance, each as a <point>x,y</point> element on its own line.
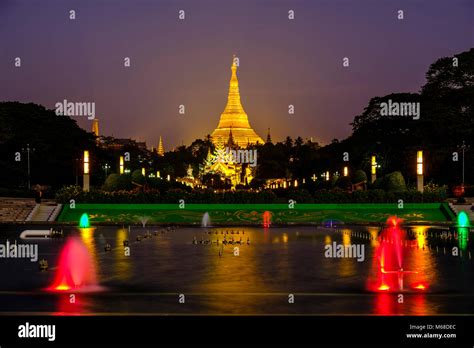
<point>160,150</point>
<point>221,162</point>
<point>95,127</point>
<point>234,117</point>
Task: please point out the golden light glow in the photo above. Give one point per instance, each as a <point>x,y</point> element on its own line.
<point>419,163</point>
<point>234,117</point>
<point>420,232</point>
<point>86,162</point>
<point>327,239</point>
<point>122,263</point>
<point>158,174</point>
<point>373,165</point>
<point>143,171</point>
<point>327,176</point>
<point>346,266</point>
<point>346,171</point>
<point>121,165</point>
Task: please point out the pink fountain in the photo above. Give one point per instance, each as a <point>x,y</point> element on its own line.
<point>76,270</point>
<point>389,260</point>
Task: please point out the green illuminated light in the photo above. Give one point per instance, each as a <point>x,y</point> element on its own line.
<point>84,222</point>
<point>463,220</point>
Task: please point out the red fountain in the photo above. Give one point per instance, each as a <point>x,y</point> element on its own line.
<point>76,270</point>
<point>267,217</point>
<point>389,260</point>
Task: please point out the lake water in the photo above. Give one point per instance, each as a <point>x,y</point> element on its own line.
<point>277,262</point>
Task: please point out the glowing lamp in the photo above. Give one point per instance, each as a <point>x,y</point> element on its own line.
<point>419,163</point>
<point>346,171</point>
<point>327,176</point>
<point>373,165</point>
<point>463,220</point>
<point>158,174</point>
<point>86,162</point>
<point>84,221</point>
<point>143,171</point>
<point>419,171</point>
<point>121,165</point>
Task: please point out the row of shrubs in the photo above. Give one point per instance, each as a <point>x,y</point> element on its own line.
<point>155,196</point>
<point>246,197</point>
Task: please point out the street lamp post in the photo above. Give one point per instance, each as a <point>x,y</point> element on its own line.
<point>85,183</point>
<point>106,168</point>
<point>77,171</point>
<point>419,170</point>
<point>121,165</point>
<point>28,150</point>
<point>463,148</point>
<point>373,169</point>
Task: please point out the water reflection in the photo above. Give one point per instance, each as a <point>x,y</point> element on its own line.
<point>463,237</point>
<point>277,261</point>
<point>398,262</point>
<point>346,265</point>
<point>122,262</point>
<point>237,270</point>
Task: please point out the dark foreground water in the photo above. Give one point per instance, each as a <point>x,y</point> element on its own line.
<point>259,280</point>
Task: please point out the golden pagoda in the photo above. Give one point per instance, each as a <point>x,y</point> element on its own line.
<point>234,120</point>
<point>95,127</point>
<point>160,149</point>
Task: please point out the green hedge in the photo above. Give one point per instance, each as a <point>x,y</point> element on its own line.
<point>248,197</point>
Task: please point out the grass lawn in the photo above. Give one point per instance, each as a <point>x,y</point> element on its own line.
<point>252,213</point>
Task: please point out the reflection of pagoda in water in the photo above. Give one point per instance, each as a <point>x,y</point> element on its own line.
<point>234,120</point>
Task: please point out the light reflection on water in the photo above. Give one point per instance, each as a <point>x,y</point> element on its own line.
<point>278,261</point>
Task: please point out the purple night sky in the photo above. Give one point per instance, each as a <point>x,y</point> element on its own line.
<point>188,62</point>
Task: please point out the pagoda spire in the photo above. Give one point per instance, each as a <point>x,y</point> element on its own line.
<point>234,106</point>
<point>95,127</point>
<point>160,149</point>
<point>230,140</point>
<point>234,115</point>
<point>269,138</point>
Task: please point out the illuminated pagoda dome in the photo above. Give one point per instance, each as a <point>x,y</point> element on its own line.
<point>234,120</point>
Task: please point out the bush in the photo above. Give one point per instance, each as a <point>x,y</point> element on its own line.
<point>359,176</point>
<point>117,182</point>
<point>173,195</point>
<point>137,177</point>
<point>394,182</point>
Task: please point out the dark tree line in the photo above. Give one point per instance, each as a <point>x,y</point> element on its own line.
<point>446,119</point>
